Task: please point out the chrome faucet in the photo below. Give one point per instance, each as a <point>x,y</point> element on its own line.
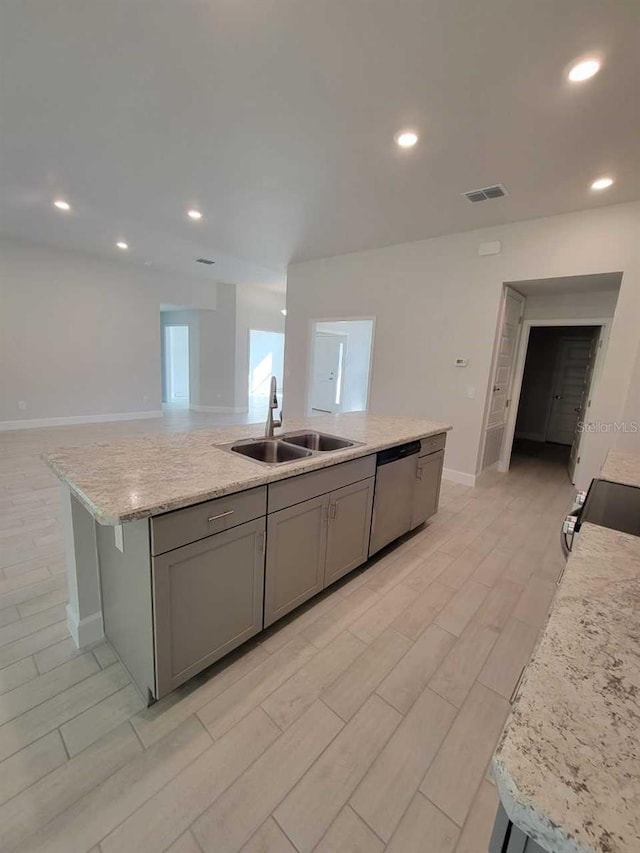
<point>271,424</point>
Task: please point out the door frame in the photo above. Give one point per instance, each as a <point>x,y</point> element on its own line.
<point>510,427</point>
<point>311,330</point>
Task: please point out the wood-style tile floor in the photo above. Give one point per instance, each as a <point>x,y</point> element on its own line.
<point>363,723</point>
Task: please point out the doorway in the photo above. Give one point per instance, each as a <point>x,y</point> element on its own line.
<point>555,393</point>
<point>176,365</point>
<point>266,359</point>
<point>340,365</point>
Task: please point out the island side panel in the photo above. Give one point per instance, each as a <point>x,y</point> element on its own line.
<point>125,577</point>
<point>84,610</point>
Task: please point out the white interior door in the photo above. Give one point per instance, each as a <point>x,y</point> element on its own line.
<point>327,379</point>
<point>507,348</point>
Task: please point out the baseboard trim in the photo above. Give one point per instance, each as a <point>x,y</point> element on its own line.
<point>85,632</point>
<point>459,477</point>
<point>221,410</point>
<point>36,423</point>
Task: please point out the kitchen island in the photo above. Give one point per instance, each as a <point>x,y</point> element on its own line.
<point>180,548</point>
<point>567,766</point>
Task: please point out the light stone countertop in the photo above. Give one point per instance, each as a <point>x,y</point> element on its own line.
<point>136,478</point>
<point>621,466</point>
<point>567,765</point>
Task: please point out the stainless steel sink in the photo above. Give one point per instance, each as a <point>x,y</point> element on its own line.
<point>317,441</point>
<point>269,451</point>
<point>288,447</point>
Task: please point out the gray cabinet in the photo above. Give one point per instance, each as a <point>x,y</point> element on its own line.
<point>349,528</point>
<point>314,543</point>
<point>296,549</point>
<point>427,489</point>
<point>508,838</point>
<point>207,599</point>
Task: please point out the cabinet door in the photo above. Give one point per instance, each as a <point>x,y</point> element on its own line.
<point>207,600</point>
<point>427,492</point>
<point>296,548</point>
<point>500,833</point>
<point>349,529</point>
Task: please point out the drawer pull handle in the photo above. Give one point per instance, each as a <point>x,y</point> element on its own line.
<point>221,515</point>
<point>514,692</point>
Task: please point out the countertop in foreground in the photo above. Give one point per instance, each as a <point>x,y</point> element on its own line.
<point>622,466</point>
<point>136,478</point>
<point>568,763</point>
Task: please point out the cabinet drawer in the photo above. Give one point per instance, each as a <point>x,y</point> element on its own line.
<point>433,443</point>
<point>182,526</point>
<point>294,490</point>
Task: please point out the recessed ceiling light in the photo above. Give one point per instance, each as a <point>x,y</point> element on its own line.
<point>584,70</point>
<point>194,214</point>
<point>283,311</point>
<point>602,184</point>
<point>61,204</point>
<point>122,245</point>
<point>406,138</point>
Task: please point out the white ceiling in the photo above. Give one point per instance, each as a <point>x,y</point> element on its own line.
<point>276,118</point>
<point>596,283</point>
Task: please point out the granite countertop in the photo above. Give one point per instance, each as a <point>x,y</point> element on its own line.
<point>621,466</point>
<point>567,765</point>
<point>136,478</point>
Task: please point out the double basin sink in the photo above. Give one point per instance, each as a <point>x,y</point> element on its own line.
<point>289,447</point>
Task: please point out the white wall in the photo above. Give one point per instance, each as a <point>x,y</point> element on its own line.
<point>256,308</point>
<point>437,300</point>
<point>217,353</point>
<point>629,439</point>
<point>356,368</point>
<point>571,306</point>
<point>80,335</point>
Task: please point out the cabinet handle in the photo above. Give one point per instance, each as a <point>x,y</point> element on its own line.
<point>260,543</point>
<point>221,515</point>
<point>419,472</point>
<point>333,509</point>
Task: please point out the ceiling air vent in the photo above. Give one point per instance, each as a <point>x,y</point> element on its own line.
<point>206,261</point>
<point>498,191</point>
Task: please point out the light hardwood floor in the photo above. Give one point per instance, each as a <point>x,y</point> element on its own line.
<point>363,723</point>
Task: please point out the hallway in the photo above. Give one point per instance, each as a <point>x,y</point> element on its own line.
<point>364,721</point>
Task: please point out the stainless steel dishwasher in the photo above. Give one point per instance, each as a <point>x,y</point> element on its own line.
<point>394,494</point>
